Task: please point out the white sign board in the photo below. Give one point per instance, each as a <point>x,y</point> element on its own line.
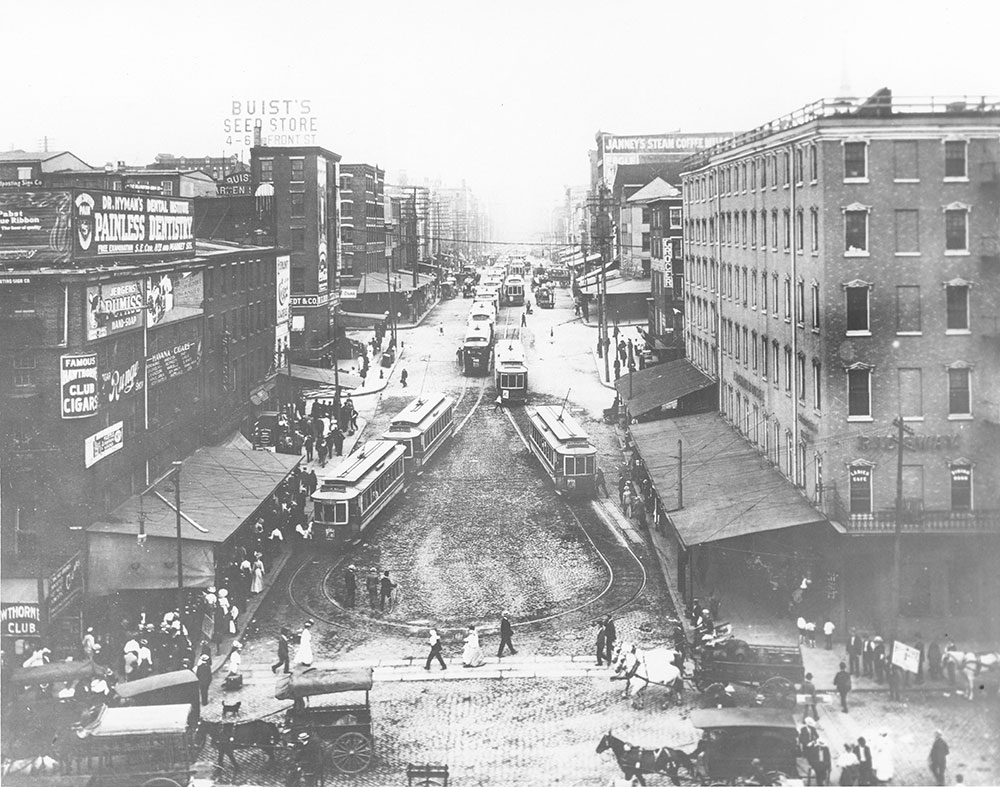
<point>905,657</point>
<point>103,444</point>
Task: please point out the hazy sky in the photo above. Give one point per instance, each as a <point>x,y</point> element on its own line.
<point>505,95</point>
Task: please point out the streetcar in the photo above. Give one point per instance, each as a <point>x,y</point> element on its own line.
<point>422,428</point>
<point>482,311</point>
<point>510,372</point>
<point>563,448</point>
<point>545,297</point>
<point>513,291</point>
<point>349,500</point>
<point>516,267</point>
<point>490,294</point>
<point>477,350</point>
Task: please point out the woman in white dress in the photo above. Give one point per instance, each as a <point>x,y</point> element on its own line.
<point>883,762</point>
<point>257,585</point>
<point>304,654</point>
<point>472,654</point>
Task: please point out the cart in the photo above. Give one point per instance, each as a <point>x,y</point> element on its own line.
<point>345,729</point>
<point>733,737</point>
<point>165,688</point>
<point>776,669</point>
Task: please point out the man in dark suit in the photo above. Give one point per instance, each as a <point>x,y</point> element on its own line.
<point>506,632</point>
<point>282,651</point>
<point>819,759</point>
<point>601,641</point>
<point>864,752</point>
<point>855,647</point>
<point>204,673</point>
<point>610,637</point>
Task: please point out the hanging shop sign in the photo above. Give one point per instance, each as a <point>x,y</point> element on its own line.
<point>21,620</point>
<point>65,585</point>
<point>113,308</point>
<point>172,362</point>
<point>78,386</point>
<point>905,657</point>
<point>103,444</point>
<point>110,224</point>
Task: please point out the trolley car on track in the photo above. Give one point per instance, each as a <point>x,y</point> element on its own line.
<point>477,350</point>
<point>422,428</point>
<point>348,500</point>
<point>513,291</point>
<point>563,448</point>
<point>510,372</point>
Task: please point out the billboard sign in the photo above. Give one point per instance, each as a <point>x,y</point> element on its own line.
<point>321,190</point>
<point>235,184</point>
<point>174,296</point>
<point>36,226</point>
<point>282,121</point>
<point>123,381</point>
<point>113,223</point>
<point>21,620</point>
<point>78,386</point>
<point>103,444</point>
<point>283,308</point>
<point>113,308</point>
<point>905,657</point>
<point>172,362</point>
<point>66,585</point>
<point>660,143</point>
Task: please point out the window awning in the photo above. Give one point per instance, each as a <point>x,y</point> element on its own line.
<point>729,489</point>
<point>659,385</point>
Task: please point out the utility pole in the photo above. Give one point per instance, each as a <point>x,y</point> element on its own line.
<point>413,240</point>
<point>605,261</point>
<point>897,541</point>
<point>177,507</point>
<point>680,475</point>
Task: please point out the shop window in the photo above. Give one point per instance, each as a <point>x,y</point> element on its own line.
<point>298,170</point>
<point>266,170</point>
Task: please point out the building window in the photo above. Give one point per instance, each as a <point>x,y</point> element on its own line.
<point>298,170</point>
<point>961,487</point>
<point>298,236</point>
<point>776,358</point>
<point>907,232</point>
<point>861,489</point>
<point>774,297</point>
<point>800,303</point>
<point>799,164</point>
<point>774,230</point>
<point>785,167</point>
<point>955,153</point>
<point>904,154</point>
<point>753,342</point>
<point>856,231</point>
<point>763,172</point>
<point>675,218</point>
<point>24,371</point>
<point>746,347</point>
<point>753,289</point>
<point>814,229</point>
<point>956,229</point>
<point>959,398</point>
<point>786,226</point>
<point>857,308</point>
<point>753,174</point>
<point>167,187</point>
<point>800,230</point>
<point>908,309</point>
<point>813,164</point>
<point>801,382</point>
<point>774,172</point>
<point>911,393</point>
<point>958,307</point>
<point>855,160</point>
<point>745,288</point>
<point>815,306</point>
<point>764,363</point>
<point>298,203</point>
<point>298,278</point>
<point>763,229</point>
<point>859,394</point>
<point>817,382</point>
<point>645,241</point>
<point>788,369</point>
<point>266,170</point>
<point>788,299</point>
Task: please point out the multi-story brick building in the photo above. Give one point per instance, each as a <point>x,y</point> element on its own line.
<point>362,216</point>
<point>842,272</point>
<point>298,187</point>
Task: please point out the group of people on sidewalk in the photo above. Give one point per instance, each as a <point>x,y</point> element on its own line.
<point>472,652</point>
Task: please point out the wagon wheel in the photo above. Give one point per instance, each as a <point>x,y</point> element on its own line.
<point>778,692</point>
<point>351,752</point>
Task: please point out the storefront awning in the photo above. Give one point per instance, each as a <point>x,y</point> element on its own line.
<point>576,262</point>
<point>659,385</point>
<point>729,489</point>
<point>221,488</point>
<point>594,275</point>
<point>314,375</point>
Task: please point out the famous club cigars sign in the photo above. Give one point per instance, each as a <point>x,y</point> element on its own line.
<point>78,386</point>
<point>114,223</point>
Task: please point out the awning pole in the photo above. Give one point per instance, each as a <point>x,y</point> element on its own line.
<point>680,475</point>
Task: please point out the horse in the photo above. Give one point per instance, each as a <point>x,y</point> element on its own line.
<point>230,735</point>
<point>972,665</point>
<point>635,761</point>
<point>647,667</point>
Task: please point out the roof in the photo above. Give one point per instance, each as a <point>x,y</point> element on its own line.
<point>58,671</point>
<point>627,174</point>
<point>221,487</point>
<point>560,423</point>
<point>358,464</point>
<point>164,680</point>
<point>417,410</point>
<point>319,680</point>
<point>574,262</point>
<point>616,285</point>
<point>656,189</point>
<point>314,374</point>
<point>729,489</point>
<point>659,385</point>
<point>145,719</point>
<point>709,718</point>
<point>586,278</point>
<point>48,158</point>
<point>375,283</point>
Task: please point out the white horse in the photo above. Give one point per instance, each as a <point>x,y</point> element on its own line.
<point>972,665</point>
<point>645,668</point>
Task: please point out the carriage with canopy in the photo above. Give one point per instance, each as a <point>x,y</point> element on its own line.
<point>775,670</point>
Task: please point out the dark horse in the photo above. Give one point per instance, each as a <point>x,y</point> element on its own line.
<point>635,761</point>
<point>227,736</point>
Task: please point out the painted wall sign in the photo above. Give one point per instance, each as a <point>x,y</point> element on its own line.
<point>235,184</point>
<point>78,386</point>
<point>647,143</point>
<point>916,442</point>
<point>283,310</point>
<point>66,585</point>
<point>35,226</point>
<point>103,444</point>
<point>173,362</point>
<point>118,383</point>
<point>109,223</point>
<point>113,308</point>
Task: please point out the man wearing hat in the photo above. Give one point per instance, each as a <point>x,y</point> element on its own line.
<point>819,760</point>
<point>809,692</point>
<point>283,636</point>
<point>938,758</point>
<point>350,587</point>
<point>506,633</point>
<point>204,673</point>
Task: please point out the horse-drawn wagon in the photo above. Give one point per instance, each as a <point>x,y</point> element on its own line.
<point>738,741</point>
<point>776,669</point>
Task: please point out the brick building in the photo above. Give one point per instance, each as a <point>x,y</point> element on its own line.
<point>362,217</point>
<point>842,272</point>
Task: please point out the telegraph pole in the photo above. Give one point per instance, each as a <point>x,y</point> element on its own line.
<point>605,261</point>
<point>897,540</point>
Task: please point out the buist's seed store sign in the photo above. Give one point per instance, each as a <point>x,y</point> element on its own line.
<point>112,223</point>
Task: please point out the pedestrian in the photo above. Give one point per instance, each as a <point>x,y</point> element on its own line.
<point>809,692</point>
<point>828,629</point>
<point>321,449</point>
<point>883,760</point>
<point>204,673</point>
<point>895,683</point>
<point>938,758</point>
<point>714,605</point>
<point>599,482</point>
<point>276,539</point>
<point>506,632</point>
<point>868,657</point>
<point>808,736</point>
<point>226,743</point>
<point>921,650</point>
<point>403,376</point>
<point>848,764</point>
<point>350,586</point>
<point>386,587</point>
<point>435,652</point>
<point>354,419</point>
<point>235,665</point>
<point>498,403</point>
<point>337,436</point>
<point>864,754</point>
<point>811,633</point>
<point>618,368</point>
<point>472,653</point>
<point>842,682</point>
<point>308,445</point>
<point>878,659</point>
<point>304,654</point>
<point>610,637</point>
<point>524,320</point>
<point>821,762</point>
<point>621,487</point>
<point>283,636</point>
<point>934,660</point>
<point>371,585</point>
<point>855,647</point>
<point>801,624</point>
<point>627,501</point>
<point>602,639</point>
